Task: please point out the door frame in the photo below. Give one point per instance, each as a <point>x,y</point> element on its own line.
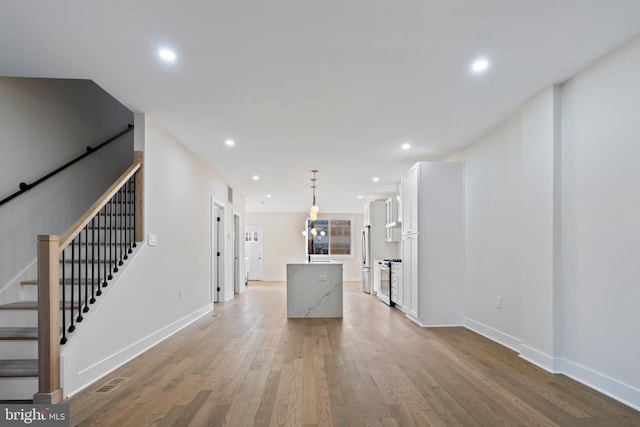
<point>261,240</point>
<point>218,244</point>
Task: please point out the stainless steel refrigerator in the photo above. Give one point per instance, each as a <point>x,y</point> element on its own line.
<point>366,259</point>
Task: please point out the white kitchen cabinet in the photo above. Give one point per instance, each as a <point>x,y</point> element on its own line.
<point>433,243</point>
<point>393,233</point>
<point>409,191</point>
<point>376,278</point>
<point>366,219</point>
<point>396,283</point>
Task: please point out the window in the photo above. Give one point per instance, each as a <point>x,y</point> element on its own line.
<point>331,237</point>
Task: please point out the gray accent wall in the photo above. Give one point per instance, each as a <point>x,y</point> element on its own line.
<point>45,123</point>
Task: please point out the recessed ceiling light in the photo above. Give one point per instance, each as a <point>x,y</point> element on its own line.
<point>167,55</point>
<point>255,177</point>
<point>479,65</point>
<point>406,146</point>
<point>359,197</point>
<point>376,179</point>
<point>230,142</point>
<point>268,196</point>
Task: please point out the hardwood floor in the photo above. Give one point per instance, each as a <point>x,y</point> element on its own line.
<point>246,364</point>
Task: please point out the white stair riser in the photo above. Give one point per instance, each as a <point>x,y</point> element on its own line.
<point>30,292</point>
<point>25,318</point>
<point>18,349</point>
<point>18,388</point>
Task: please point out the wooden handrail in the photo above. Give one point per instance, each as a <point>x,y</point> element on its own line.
<point>49,250</point>
<point>98,205</point>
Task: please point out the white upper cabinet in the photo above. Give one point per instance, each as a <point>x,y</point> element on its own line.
<point>409,192</point>
<point>393,222</point>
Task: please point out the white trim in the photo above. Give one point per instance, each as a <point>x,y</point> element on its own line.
<point>493,334</point>
<point>538,358</point>
<point>611,387</point>
<point>5,295</point>
<point>284,279</point>
<point>425,325</point>
<point>114,361</point>
<point>623,393</point>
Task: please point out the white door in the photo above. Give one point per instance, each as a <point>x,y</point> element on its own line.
<point>236,254</point>
<point>253,248</point>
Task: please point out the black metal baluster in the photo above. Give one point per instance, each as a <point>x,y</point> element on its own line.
<point>93,260</point>
<point>134,213</point>
<point>63,340</point>
<point>86,269</point>
<point>131,213</point>
<point>73,278</point>
<point>79,262</point>
<point>99,282</point>
<point>114,234</point>
<point>125,220</point>
<point>123,198</point>
<point>107,233</point>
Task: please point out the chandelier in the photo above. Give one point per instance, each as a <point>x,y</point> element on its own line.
<point>311,232</point>
<point>313,210</point>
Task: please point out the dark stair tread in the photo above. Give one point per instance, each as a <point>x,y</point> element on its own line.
<point>66,282</point>
<point>18,368</point>
<point>82,261</point>
<point>18,334</point>
<point>27,305</point>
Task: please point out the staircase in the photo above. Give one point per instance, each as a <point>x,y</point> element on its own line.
<point>89,256</point>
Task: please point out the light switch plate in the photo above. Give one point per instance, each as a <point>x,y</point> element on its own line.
<point>153,240</point>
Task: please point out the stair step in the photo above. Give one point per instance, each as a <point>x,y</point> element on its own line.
<point>11,334</point>
<point>66,282</point>
<point>28,305</point>
<point>82,261</point>
<point>13,368</point>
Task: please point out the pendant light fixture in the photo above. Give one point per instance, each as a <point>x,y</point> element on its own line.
<point>313,211</point>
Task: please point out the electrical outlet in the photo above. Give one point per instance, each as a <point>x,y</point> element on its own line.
<point>181,293</point>
<point>498,302</point>
<point>322,278</point>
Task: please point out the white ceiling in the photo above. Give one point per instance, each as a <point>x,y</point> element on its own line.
<point>331,85</point>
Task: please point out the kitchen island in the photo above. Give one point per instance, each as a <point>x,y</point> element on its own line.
<point>314,289</point>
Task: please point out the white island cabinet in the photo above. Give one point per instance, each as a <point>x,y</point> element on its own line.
<point>432,198</point>
<point>314,289</point>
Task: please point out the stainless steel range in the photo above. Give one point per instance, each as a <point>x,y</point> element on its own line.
<point>386,294</point>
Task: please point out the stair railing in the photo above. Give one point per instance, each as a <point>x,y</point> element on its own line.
<point>24,187</point>
<point>83,261</point>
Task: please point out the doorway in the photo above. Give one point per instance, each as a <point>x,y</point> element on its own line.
<point>218,253</point>
<point>253,249</point>
<point>236,253</point>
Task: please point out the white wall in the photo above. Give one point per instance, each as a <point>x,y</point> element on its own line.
<point>45,123</point>
<point>540,222</point>
<point>492,262</point>
<point>283,243</point>
<point>552,208</point>
<point>145,306</point>
<point>601,224</point>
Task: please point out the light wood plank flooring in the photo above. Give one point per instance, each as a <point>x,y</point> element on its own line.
<point>246,364</point>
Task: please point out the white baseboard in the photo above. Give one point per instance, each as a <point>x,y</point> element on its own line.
<point>284,279</point>
<point>613,388</point>
<point>538,358</point>
<point>493,334</point>
<point>105,366</point>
